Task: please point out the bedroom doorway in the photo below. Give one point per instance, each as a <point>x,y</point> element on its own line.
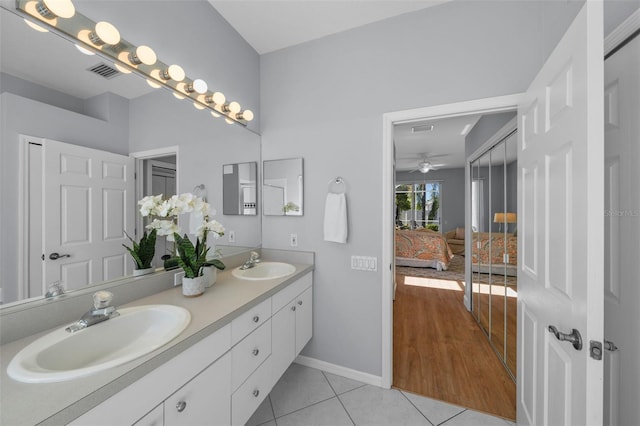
<point>440,350</point>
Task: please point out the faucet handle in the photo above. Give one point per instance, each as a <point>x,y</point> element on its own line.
<point>254,255</point>
<point>102,299</point>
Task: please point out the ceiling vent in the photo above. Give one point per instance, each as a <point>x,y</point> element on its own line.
<point>422,128</point>
<point>104,70</point>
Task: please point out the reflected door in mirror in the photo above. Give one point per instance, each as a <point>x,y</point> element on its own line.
<point>282,187</point>
<point>239,189</point>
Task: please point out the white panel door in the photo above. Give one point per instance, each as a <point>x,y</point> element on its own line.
<point>88,205</point>
<point>561,244</point>
<point>622,235</point>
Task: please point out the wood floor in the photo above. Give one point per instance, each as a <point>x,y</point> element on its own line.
<point>440,352</point>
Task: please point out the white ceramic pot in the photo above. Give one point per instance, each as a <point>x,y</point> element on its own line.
<point>138,272</point>
<point>193,287</point>
<point>210,273</point>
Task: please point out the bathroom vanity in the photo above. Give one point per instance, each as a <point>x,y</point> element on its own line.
<point>242,337</point>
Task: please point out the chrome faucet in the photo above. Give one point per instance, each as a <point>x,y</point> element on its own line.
<point>254,258</point>
<point>102,311</point>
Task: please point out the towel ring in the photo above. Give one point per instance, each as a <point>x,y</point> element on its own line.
<point>339,183</point>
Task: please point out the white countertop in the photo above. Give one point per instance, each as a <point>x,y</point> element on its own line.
<point>59,403</point>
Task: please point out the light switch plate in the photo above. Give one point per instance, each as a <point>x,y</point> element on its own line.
<point>364,263</point>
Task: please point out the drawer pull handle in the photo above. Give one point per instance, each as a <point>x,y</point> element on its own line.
<point>293,308</point>
<point>255,352</point>
<point>300,302</point>
<point>256,318</point>
<point>256,392</point>
<point>180,406</point>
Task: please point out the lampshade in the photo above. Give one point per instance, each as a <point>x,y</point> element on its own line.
<point>505,218</point>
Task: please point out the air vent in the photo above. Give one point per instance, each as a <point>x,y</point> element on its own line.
<point>423,128</point>
<point>104,70</point>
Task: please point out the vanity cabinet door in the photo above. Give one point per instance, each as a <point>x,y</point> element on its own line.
<point>205,400</point>
<point>304,319</point>
<point>153,418</point>
<point>283,344</point>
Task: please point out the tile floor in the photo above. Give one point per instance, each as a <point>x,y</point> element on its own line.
<point>305,396</point>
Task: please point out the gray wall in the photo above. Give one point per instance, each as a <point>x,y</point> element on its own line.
<point>484,129</point>
<point>452,200</point>
<point>323,100</point>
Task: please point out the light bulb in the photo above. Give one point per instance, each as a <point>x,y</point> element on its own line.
<point>229,121</point>
<point>104,33</point>
<point>122,69</point>
<point>198,86</point>
<point>36,26</point>
<point>215,114</point>
<point>143,55</point>
<point>216,98</point>
<point>178,95</point>
<point>174,72</point>
<point>198,106</point>
<point>56,8</point>
<point>84,51</point>
<point>153,84</point>
<point>247,115</point>
<point>234,107</point>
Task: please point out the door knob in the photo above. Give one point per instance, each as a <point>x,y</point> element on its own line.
<point>56,256</point>
<point>610,346</point>
<point>573,337</point>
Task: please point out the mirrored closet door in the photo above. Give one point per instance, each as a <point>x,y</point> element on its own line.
<point>494,247</point>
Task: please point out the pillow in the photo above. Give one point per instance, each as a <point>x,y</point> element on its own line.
<point>459,234</point>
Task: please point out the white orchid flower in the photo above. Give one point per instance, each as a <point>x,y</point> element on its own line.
<point>212,226</point>
<point>148,204</point>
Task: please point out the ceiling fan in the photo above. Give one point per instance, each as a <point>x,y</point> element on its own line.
<point>427,164</point>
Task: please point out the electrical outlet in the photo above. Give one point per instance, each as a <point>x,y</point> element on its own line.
<point>364,263</point>
<point>177,278</point>
<point>232,236</point>
<point>294,240</point>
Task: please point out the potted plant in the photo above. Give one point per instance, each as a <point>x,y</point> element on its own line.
<point>191,258</point>
<point>143,252</point>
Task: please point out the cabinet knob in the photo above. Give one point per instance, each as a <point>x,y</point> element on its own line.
<point>255,352</point>
<point>180,406</point>
<point>256,318</point>
<point>256,392</point>
<point>300,302</point>
<point>293,308</point>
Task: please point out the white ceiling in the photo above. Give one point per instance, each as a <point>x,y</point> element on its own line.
<point>270,25</point>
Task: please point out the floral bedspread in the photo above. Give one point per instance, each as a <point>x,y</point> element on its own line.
<point>424,247</point>
<point>499,246</point>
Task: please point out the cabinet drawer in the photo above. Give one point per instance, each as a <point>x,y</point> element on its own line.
<point>249,321</point>
<point>154,418</point>
<point>284,296</point>
<point>247,355</point>
<point>250,395</point>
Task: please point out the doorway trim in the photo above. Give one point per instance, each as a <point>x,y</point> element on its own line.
<point>485,105</point>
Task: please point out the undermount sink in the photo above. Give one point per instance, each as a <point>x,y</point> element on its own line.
<point>264,271</point>
<point>60,355</point>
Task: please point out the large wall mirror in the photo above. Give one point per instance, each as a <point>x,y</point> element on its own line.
<point>47,92</point>
<point>282,187</point>
<point>239,187</point>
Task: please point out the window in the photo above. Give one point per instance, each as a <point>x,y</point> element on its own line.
<point>477,208</point>
<point>418,205</point>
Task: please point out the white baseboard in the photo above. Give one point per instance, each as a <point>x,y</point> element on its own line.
<point>349,373</point>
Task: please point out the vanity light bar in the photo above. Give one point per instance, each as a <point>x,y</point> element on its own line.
<point>104,39</point>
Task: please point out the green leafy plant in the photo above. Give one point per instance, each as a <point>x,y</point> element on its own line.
<point>143,251</point>
<point>192,259</point>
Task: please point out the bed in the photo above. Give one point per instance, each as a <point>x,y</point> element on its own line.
<point>422,248</point>
<point>494,253</point>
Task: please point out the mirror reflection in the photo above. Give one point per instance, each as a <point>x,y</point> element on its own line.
<point>49,96</point>
<point>282,187</point>
<point>239,187</point>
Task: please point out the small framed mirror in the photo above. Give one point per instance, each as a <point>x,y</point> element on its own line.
<point>282,187</point>
<point>239,189</point>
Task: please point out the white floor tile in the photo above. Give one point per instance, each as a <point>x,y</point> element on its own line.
<point>262,415</point>
<point>342,384</point>
<point>474,418</point>
<point>370,405</point>
<point>434,410</point>
<point>326,413</point>
<point>298,388</point>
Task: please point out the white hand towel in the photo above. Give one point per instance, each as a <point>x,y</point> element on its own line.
<point>335,218</point>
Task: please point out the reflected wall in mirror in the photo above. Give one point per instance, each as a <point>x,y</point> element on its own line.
<point>282,187</point>
<point>239,188</point>
<point>47,92</point>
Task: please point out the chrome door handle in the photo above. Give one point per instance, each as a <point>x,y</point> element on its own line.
<point>56,256</point>
<point>573,337</point>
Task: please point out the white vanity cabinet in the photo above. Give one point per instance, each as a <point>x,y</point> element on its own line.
<point>223,378</point>
<point>291,323</point>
